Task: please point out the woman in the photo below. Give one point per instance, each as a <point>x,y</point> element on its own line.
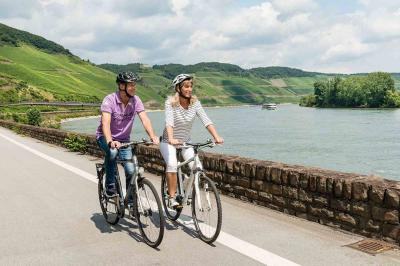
<point>180,112</point>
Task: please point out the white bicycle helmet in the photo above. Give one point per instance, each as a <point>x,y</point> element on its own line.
<point>180,78</point>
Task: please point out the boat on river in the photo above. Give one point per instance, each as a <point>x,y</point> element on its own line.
<point>269,106</point>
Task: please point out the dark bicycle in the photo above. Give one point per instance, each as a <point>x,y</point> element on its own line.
<point>146,206</point>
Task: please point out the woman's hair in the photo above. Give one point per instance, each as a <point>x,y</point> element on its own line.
<point>174,100</point>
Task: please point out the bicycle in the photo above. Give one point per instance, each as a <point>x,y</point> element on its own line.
<point>200,192</point>
<point>146,205</point>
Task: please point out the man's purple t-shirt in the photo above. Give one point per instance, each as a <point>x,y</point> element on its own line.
<point>121,118</point>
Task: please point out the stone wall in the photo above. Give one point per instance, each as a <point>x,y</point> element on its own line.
<point>367,205</point>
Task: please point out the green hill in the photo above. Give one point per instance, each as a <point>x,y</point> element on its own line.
<point>226,84</point>
<point>35,69</point>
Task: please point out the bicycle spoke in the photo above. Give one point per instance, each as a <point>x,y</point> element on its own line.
<point>149,214</point>
<point>206,209</point>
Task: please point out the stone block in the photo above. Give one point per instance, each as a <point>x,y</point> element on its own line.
<point>279,201</point>
<point>257,185</point>
<point>340,205</point>
<point>320,201</point>
<point>376,195</point>
<point>361,209</point>
<point>347,189</point>
<point>276,190</point>
<point>294,179</point>
<point>392,231</point>
<point>338,188</point>
<point>321,184</point>
<point>304,180</point>
<point>243,182</point>
<point>298,205</point>
<point>276,175</point>
<point>391,199</point>
<point>346,219</point>
<point>264,196</point>
<point>360,191</point>
<point>304,196</point>
<point>290,192</point>
<point>386,215</point>
<point>313,183</point>
<point>251,194</point>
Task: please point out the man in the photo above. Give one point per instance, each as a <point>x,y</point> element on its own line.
<point>118,112</point>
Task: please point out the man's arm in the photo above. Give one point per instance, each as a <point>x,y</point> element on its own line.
<point>148,127</point>
<point>106,124</point>
<point>106,127</point>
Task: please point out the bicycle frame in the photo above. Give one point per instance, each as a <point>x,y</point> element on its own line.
<point>195,171</point>
<point>138,171</point>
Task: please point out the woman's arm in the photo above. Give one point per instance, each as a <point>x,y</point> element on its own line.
<point>213,131</point>
<point>208,124</point>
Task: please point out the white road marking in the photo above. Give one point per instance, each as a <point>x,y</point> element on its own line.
<point>241,246</point>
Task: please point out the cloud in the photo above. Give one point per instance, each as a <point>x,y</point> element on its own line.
<point>18,9</point>
<point>294,33</point>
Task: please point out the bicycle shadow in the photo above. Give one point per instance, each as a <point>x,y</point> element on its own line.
<point>124,225</point>
<point>186,224</point>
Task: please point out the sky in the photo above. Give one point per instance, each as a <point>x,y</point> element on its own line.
<point>332,36</point>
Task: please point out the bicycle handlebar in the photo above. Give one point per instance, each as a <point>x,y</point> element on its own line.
<point>208,143</point>
<point>144,141</point>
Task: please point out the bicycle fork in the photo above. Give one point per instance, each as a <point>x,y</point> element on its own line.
<point>198,195</point>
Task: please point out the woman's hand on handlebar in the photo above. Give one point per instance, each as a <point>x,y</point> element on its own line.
<point>218,140</point>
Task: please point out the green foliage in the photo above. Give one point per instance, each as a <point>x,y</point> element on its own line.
<point>392,99</point>
<point>76,143</point>
<point>171,70</point>
<point>34,116</point>
<point>19,118</point>
<point>135,67</point>
<point>13,37</point>
<point>373,90</point>
<point>307,101</point>
<point>281,72</point>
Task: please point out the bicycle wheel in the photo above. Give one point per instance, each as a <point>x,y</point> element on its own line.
<point>148,213</point>
<point>109,206</point>
<point>207,210</point>
<point>172,214</point>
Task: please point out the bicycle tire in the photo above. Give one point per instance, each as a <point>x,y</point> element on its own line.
<point>111,218</point>
<point>172,214</point>
<point>207,232</point>
<point>153,216</point>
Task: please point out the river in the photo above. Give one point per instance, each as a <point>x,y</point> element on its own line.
<point>349,140</point>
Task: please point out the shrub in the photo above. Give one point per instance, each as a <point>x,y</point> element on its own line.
<point>34,117</point>
<point>76,143</point>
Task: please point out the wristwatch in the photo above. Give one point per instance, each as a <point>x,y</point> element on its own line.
<point>109,144</point>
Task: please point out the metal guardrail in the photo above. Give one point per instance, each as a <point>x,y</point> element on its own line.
<point>52,104</point>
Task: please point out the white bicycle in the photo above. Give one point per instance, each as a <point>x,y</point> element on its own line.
<point>198,191</point>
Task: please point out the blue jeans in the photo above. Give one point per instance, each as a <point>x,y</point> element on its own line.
<point>110,161</point>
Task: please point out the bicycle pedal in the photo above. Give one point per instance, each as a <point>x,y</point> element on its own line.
<point>179,207</point>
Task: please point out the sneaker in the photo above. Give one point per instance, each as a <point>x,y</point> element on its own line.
<point>111,190</point>
<point>172,203</point>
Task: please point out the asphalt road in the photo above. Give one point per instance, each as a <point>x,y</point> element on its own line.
<point>50,215</point>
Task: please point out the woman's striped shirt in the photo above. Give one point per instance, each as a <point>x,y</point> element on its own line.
<point>181,120</point>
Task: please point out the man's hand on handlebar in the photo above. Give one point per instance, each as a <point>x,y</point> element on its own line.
<point>114,144</point>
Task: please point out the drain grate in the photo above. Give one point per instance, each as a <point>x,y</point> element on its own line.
<point>371,246</point>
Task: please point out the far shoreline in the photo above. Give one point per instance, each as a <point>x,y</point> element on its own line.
<point>160,110</point>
